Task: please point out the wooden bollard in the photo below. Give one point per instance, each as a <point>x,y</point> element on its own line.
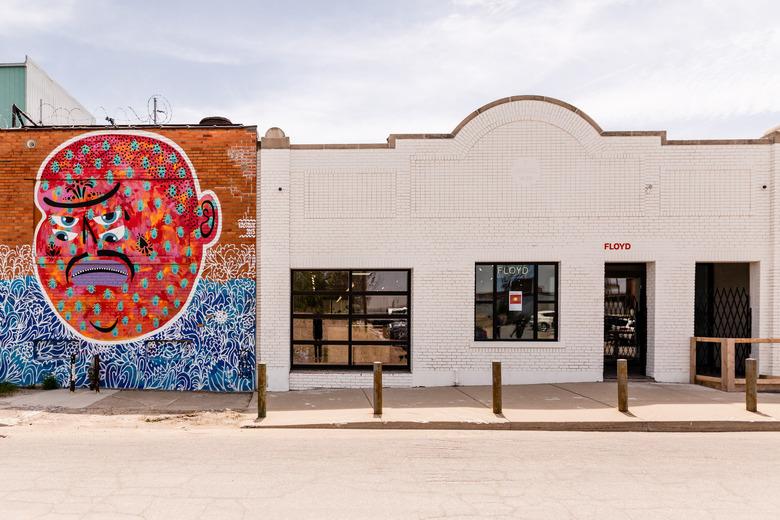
<point>262,384</point>
<point>622,379</point>
<point>497,404</point>
<point>751,385</point>
<point>377,388</point>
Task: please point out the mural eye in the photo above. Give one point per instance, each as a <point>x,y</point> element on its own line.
<point>106,219</point>
<point>65,221</point>
<point>65,236</point>
<point>113,235</point>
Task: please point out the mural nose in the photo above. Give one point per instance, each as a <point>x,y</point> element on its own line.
<point>89,239</point>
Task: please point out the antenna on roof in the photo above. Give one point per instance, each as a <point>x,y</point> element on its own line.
<point>159,109</point>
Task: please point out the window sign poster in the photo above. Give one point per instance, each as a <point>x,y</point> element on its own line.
<point>515,301</point>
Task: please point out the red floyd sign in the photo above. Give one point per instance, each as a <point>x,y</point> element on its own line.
<point>617,246</point>
<point>515,300</point>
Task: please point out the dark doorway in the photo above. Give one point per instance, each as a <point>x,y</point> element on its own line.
<point>625,318</point>
<point>722,310</point>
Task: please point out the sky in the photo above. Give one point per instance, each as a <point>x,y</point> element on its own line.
<point>356,71</point>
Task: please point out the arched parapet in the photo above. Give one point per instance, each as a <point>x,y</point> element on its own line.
<point>550,111</point>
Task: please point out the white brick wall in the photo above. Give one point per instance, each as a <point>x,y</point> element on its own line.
<point>274,245</point>
<point>522,181</point>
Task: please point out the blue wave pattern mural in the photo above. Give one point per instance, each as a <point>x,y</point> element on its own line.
<point>210,347</point>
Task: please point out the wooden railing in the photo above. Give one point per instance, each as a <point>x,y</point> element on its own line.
<point>727,380</point>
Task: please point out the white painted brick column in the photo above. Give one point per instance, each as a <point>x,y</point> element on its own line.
<point>672,319</point>
<point>274,246</point>
<point>769,355</point>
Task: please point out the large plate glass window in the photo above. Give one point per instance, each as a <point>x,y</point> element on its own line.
<point>350,318</point>
<point>516,302</point>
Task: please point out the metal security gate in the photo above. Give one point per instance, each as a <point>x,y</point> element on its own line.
<point>722,313</point>
<point>620,337</point>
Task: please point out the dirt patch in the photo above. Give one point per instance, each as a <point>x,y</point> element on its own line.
<point>24,420</point>
<point>226,418</point>
<point>164,418</point>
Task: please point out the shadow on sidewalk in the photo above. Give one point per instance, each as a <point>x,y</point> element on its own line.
<point>565,401</point>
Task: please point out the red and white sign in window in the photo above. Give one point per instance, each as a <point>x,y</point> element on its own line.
<point>515,300</point>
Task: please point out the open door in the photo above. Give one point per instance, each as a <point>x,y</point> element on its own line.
<point>625,325</point>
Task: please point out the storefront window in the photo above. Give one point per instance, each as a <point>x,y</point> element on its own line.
<point>516,302</point>
<point>350,318</point>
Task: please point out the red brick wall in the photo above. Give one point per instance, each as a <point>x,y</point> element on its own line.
<point>225,160</point>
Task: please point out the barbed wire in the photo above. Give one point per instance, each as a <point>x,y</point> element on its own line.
<point>59,115</point>
<point>159,112</point>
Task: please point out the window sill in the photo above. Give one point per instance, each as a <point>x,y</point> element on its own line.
<point>347,368</point>
<point>517,345</point>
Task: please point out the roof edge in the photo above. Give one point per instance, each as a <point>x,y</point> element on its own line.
<point>192,126</point>
<point>661,134</point>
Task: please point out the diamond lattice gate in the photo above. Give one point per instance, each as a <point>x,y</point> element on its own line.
<point>722,313</point>
<point>620,327</point>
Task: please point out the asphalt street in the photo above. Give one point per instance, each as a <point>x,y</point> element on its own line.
<point>174,471</point>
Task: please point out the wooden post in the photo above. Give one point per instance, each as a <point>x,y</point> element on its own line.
<point>622,378</point>
<point>727,364</point>
<point>377,388</point>
<point>693,360</point>
<point>497,404</point>
<point>724,364</point>
<point>262,384</point>
<point>751,385</point>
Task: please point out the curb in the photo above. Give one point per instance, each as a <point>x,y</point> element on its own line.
<point>385,425</point>
<point>605,426</point>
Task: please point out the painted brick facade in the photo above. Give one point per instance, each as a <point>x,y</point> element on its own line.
<point>210,344</point>
<point>521,180</point>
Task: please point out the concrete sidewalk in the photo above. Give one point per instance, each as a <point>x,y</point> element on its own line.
<point>571,406</point>
<point>560,407</point>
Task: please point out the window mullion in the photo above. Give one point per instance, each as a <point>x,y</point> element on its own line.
<point>349,320</point>
<point>535,310</point>
<point>495,307</point>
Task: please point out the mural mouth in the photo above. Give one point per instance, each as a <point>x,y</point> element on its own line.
<point>105,329</point>
<point>99,272</point>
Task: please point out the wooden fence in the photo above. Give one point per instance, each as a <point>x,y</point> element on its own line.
<point>727,380</point>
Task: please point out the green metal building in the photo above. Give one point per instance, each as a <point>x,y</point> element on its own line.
<point>28,87</point>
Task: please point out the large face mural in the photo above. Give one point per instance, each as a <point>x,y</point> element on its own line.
<point>115,250</point>
<point>121,243</point>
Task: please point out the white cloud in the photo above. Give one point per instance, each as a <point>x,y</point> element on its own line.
<point>638,69</point>
<point>19,16</point>
<point>357,74</point>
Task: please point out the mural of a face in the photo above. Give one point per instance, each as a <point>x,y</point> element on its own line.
<point>124,231</point>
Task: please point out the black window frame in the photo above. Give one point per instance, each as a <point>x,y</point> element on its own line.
<point>351,317</point>
<point>535,282</point>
